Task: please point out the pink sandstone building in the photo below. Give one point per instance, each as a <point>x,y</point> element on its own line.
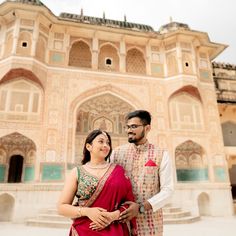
<point>63,76</point>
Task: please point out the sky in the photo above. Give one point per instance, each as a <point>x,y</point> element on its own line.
<point>215,17</point>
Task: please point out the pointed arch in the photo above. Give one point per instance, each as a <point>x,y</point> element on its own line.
<point>80,54</point>
<point>77,115</point>
<point>17,143</point>
<point>21,73</point>
<point>18,150</point>
<point>20,98</point>
<point>190,162</point>
<point>104,111</point>
<point>185,109</point>
<point>108,53</point>
<point>193,91</point>
<point>135,61</point>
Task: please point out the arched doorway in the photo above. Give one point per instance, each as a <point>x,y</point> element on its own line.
<point>106,112</point>
<point>6,207</point>
<point>17,158</point>
<point>15,169</point>
<point>203,204</point>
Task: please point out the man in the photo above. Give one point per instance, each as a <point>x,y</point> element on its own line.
<point>150,171</point>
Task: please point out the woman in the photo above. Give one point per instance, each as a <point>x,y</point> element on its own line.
<point>101,188</point>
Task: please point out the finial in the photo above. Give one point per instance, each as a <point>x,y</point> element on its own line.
<point>103,15</point>
<point>81,12</point>
<point>124,18</point>
<point>171,19</point>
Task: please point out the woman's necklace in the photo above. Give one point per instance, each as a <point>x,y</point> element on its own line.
<point>97,166</point>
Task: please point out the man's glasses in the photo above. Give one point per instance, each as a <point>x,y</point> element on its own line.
<point>132,127</point>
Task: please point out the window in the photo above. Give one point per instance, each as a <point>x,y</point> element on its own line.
<point>24,44</point>
<point>186,113</point>
<point>20,100</point>
<point>108,61</point>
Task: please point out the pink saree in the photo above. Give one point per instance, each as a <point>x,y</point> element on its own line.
<point>113,189</point>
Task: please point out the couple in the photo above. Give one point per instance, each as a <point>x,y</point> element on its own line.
<point>122,197</point>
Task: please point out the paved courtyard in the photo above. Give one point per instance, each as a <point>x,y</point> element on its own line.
<point>207,226</point>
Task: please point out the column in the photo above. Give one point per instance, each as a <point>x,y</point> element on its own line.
<point>95,52</point>
<point>15,36</point>
<point>122,56</point>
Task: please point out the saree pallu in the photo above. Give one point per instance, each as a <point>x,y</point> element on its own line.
<point>113,189</point>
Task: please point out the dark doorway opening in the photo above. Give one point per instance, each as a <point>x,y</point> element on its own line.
<point>15,169</point>
<point>233,191</point>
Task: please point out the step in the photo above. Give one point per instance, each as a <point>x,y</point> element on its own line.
<point>52,217</point>
<point>174,215</point>
<point>183,220</point>
<point>47,223</point>
<point>171,209</point>
<point>49,211</point>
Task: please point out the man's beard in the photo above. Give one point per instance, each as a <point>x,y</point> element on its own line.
<point>136,140</point>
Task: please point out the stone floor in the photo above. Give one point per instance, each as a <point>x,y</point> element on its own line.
<point>207,226</point>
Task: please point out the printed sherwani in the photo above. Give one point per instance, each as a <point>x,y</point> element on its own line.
<point>149,169</point>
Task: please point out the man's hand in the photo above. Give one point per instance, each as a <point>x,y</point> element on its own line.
<point>131,212</point>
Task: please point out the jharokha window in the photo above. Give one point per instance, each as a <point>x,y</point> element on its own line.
<point>20,100</point>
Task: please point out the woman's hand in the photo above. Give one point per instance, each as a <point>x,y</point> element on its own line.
<point>110,216</point>
<point>97,215</point>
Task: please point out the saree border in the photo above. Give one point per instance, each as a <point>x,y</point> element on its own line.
<point>100,185</point>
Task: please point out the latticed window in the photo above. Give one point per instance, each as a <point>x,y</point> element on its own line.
<point>135,62</point>
<point>80,55</point>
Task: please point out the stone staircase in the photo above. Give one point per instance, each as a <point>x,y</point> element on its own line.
<point>175,215</point>
<point>50,218</point>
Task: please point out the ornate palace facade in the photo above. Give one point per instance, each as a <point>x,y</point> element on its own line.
<point>63,76</point>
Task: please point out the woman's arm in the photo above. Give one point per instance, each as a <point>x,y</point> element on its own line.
<point>65,207</point>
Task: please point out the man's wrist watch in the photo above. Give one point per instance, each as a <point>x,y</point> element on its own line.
<point>141,208</point>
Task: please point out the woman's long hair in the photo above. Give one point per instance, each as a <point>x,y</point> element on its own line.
<point>89,140</point>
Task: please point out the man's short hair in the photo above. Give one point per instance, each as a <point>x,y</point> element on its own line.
<point>143,115</point>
